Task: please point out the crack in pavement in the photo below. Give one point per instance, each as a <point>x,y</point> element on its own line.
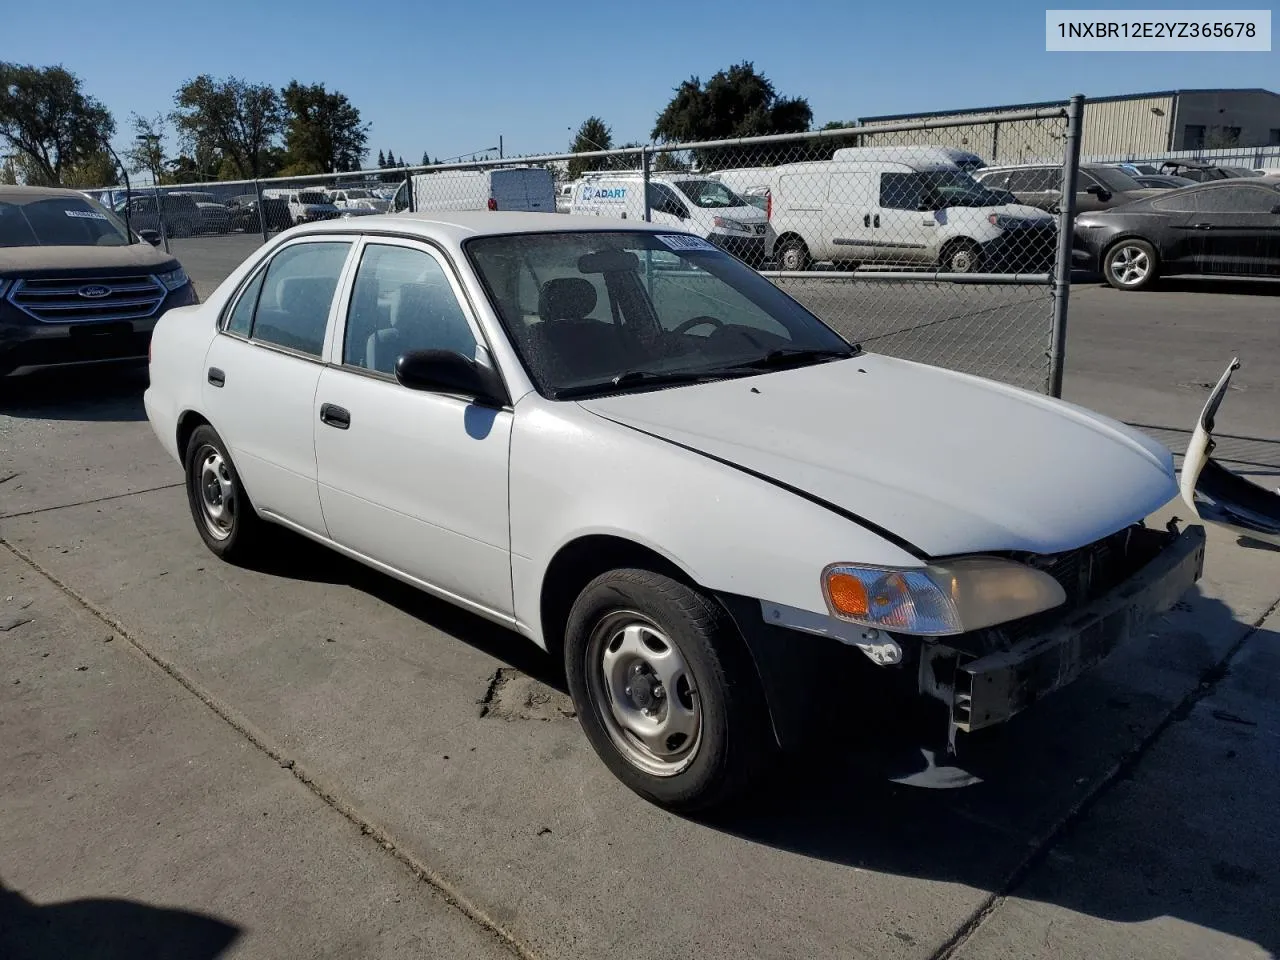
<point>83,503</point>
<point>328,793</point>
<point>1121,769</point>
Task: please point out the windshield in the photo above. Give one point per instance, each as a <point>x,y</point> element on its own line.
<point>312,198</point>
<point>709,193</point>
<point>955,188</point>
<point>595,313</point>
<point>202,197</point>
<point>358,194</point>
<point>1117,181</point>
<point>59,222</point>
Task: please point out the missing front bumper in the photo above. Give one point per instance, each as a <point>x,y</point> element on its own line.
<point>991,689</point>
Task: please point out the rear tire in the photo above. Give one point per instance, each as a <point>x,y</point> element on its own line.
<point>665,690</point>
<point>793,255</point>
<point>961,256</point>
<point>220,507</point>
<point>1130,264</point>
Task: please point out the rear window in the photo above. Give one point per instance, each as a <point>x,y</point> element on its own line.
<point>59,222</point>
<point>709,193</point>
<point>312,198</point>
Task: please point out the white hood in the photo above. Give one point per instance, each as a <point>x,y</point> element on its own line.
<point>951,463</point>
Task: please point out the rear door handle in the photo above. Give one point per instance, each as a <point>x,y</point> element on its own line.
<point>877,220</point>
<point>335,416</point>
<point>1202,226</point>
<point>217,377</point>
<point>866,221</point>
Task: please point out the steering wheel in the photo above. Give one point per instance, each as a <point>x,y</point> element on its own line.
<point>697,322</point>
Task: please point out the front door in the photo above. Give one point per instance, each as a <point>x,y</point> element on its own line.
<point>902,231</point>
<point>1238,229</point>
<point>414,480</point>
<point>261,373</point>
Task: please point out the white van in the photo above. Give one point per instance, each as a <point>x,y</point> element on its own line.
<point>693,202</point>
<point>912,214</point>
<point>522,189</point>
<point>306,205</point>
<point>933,156</point>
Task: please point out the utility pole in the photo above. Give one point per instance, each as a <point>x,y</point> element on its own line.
<point>499,146</point>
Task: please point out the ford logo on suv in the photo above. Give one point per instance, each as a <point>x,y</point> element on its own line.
<point>94,292</point>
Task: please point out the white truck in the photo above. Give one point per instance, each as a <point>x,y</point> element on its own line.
<point>519,189</point>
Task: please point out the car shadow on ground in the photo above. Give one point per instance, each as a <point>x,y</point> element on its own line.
<point>108,929</point>
<point>1232,286</point>
<point>835,802</point>
<point>97,394</point>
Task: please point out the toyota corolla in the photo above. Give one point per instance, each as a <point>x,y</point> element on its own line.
<point>619,441</point>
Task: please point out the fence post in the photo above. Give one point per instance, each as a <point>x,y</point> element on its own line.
<point>164,233</point>
<point>644,177</point>
<point>262,210</point>
<point>1066,237</point>
<point>408,190</point>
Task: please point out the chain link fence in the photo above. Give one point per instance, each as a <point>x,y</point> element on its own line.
<point>881,230</point>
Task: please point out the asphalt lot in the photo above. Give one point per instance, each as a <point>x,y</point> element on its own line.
<point>308,759</point>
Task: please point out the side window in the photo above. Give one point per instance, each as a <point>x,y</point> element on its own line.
<point>240,322</point>
<point>662,198</point>
<point>293,308</point>
<point>901,191</point>
<point>402,301</point>
<point>1238,200</point>
<point>1180,201</point>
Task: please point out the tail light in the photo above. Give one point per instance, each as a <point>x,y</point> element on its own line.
<point>768,205</point>
<point>493,203</point>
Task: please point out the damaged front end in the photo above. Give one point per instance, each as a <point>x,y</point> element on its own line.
<point>1217,495</point>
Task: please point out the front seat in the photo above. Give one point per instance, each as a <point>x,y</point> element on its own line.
<point>579,345</point>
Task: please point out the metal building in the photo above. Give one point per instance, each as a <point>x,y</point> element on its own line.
<point>1137,124</point>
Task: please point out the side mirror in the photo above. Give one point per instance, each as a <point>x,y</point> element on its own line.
<point>1098,191</point>
<point>151,236</point>
<point>443,371</point>
<point>1276,208</point>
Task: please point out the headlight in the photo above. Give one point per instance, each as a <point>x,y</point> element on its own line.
<point>4,286</point>
<point>1005,222</point>
<point>724,223</point>
<point>934,601</point>
<point>173,279</point>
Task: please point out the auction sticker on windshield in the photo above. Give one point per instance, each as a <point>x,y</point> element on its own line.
<point>84,214</point>
<point>678,242</point>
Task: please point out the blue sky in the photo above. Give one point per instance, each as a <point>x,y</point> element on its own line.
<point>449,76</point>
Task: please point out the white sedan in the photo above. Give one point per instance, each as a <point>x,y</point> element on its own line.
<point>624,444</point>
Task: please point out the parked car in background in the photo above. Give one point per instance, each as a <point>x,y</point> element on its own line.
<point>214,216</point>
<point>181,217</point>
<point>76,287</point>
<point>690,202</point>
<point>627,446</point>
<point>306,205</point>
<point>354,201</point>
<point>1163,181</point>
<point>1197,170</point>
<point>522,189</point>
<point>564,197</point>
<point>891,213</point>
<point>244,213</point>
<point>1098,185</point>
<point>1229,227</point>
<point>932,156</point>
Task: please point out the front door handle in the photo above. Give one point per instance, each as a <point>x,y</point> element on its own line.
<point>877,221</point>
<point>1202,226</point>
<point>335,416</point>
<point>866,221</point>
<point>217,377</point>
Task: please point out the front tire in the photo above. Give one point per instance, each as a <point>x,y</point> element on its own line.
<point>963,256</point>
<point>1130,264</point>
<point>665,690</point>
<point>220,507</point>
<point>794,255</point>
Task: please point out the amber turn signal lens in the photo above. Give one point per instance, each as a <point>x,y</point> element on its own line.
<point>848,595</point>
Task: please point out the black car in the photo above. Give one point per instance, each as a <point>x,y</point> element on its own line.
<point>1224,227</point>
<point>245,215</point>
<point>76,287</point>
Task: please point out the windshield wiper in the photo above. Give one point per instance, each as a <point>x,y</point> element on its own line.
<point>785,358</point>
<point>630,378</point>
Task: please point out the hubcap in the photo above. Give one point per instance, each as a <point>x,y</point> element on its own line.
<point>1130,265</point>
<point>961,261</point>
<point>644,692</point>
<point>217,493</point>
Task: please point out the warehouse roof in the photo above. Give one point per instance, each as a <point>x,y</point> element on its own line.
<point>920,115</point>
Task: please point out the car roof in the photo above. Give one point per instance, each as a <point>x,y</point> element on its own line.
<point>459,225</point>
<point>17,194</point>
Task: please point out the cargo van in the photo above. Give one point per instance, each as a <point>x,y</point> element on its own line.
<point>934,156</point>
<point>692,202</point>
<point>921,215</point>
<point>522,189</point>
<point>306,205</point>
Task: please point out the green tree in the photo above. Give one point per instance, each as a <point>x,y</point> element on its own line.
<point>147,152</point>
<point>426,160</point>
<point>237,119</point>
<point>97,169</point>
<point>737,102</point>
<point>47,118</point>
<point>382,160</point>
<point>323,129</point>
<point>594,134</point>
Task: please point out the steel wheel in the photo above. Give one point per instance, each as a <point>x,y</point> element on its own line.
<point>644,692</point>
<point>217,490</point>
<point>1130,264</point>
<point>962,258</point>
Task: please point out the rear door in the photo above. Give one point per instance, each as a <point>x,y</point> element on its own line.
<point>262,370</point>
<point>1037,186</point>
